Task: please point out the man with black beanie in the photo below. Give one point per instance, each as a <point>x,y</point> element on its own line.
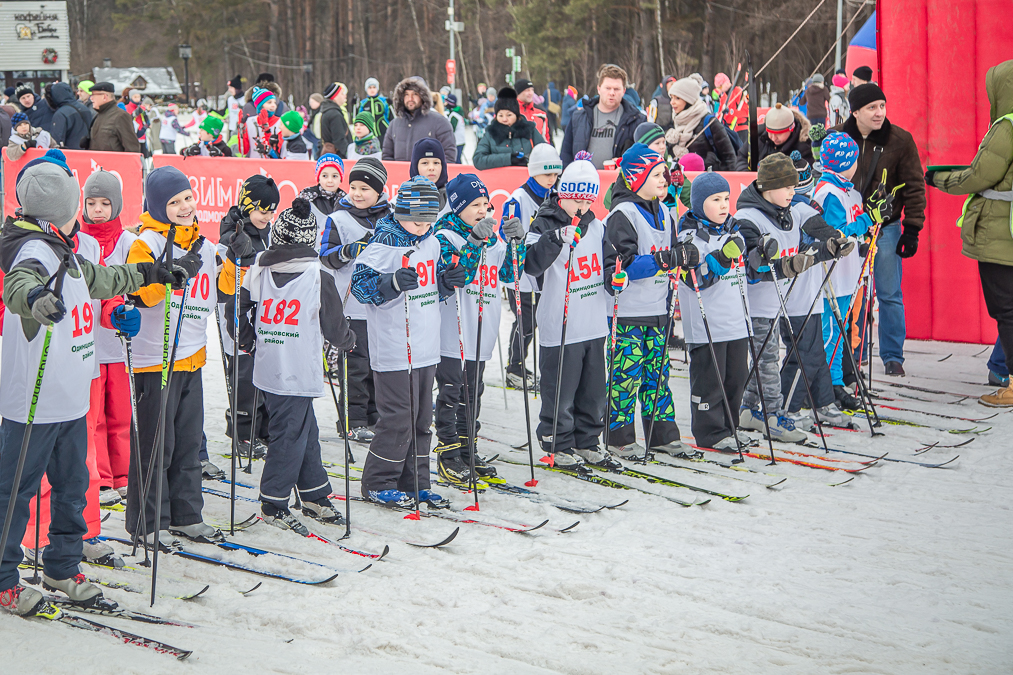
<point>884,146</point>
<point>526,99</point>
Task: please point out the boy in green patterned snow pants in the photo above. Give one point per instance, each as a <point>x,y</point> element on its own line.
<point>636,365</point>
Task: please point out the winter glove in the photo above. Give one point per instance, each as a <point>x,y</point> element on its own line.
<point>929,176</point>
<point>767,250</point>
<point>405,279</point>
<point>482,231</point>
<point>794,265</point>
<point>839,247</point>
<point>678,177</point>
<point>247,337</point>
<point>190,263</point>
<point>619,282</point>
<point>817,133</point>
<point>158,273</point>
<point>46,306</point>
<point>907,245</point>
<point>349,252</point>
<point>455,277</point>
<point>863,249</point>
<point>241,249</point>
<point>513,230</point>
<point>518,159</point>
<point>31,144</point>
<point>126,320</point>
<point>731,250</point>
<point>880,209</point>
<point>564,235</point>
<point>680,255</point>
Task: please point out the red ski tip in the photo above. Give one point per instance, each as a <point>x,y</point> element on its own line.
<point>413,516</point>
<point>548,459</point>
<point>473,507</point>
<point>531,483</point>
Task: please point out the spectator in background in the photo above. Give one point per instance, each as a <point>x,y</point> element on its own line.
<point>334,132</point>
<point>313,132</point>
<point>510,137</point>
<point>553,106</point>
<point>414,120</point>
<point>840,111</point>
<point>84,96</point>
<point>690,131</point>
<point>659,110</point>
<point>376,105</point>
<point>783,130</point>
<point>526,101</point>
<point>861,75</point>
<point>817,100</point>
<point>234,104</point>
<point>568,106</point>
<point>40,114</point>
<point>605,125</point>
<point>112,130</point>
<point>71,119</point>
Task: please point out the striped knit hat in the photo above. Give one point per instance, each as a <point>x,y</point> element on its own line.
<point>367,120</point>
<point>262,96</point>
<point>332,90</point>
<point>648,132</point>
<point>370,171</point>
<point>418,201</point>
<point>805,173</point>
<point>333,161</point>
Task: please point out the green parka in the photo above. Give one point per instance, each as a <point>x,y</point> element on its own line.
<point>986,225</point>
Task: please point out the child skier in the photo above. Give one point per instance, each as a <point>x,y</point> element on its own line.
<point>366,139</point>
<point>376,105</point>
<point>35,248</point>
<point>285,287</point>
<point>347,232</point>
<point>244,234</point>
<point>785,235</point>
<point>468,232</point>
<point>429,161</point>
<point>210,142</point>
<point>564,230</point>
<point>24,137</point>
<point>544,168</point>
<point>264,129</point>
<point>640,229</point>
<point>715,234</point>
<point>171,210</point>
<point>293,145</point>
<point>324,195</point>
<point>842,209</point>
<point>403,320</point>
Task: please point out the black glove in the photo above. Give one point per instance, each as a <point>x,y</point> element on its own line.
<point>405,279</point>
<point>518,159</point>
<point>680,255</point>
<point>929,175</point>
<point>46,306</point>
<point>247,337</point>
<point>863,249</point>
<point>157,273</point>
<point>31,144</point>
<point>454,277</point>
<point>189,263</point>
<point>907,245</point>
<point>241,249</point>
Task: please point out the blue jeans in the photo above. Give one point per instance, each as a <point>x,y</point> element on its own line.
<point>997,361</point>
<point>888,269</point>
<point>60,451</point>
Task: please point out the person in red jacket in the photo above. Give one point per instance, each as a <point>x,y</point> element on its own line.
<point>526,99</point>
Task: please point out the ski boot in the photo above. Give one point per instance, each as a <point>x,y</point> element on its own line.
<point>832,416</point>
<point>210,472</point>
<point>726,444</point>
<point>631,451</point>
<point>166,541</point>
<point>359,435</point>
<point>750,420</point>
<point>109,497</point>
<point>322,510</point>
<point>79,590</point>
<point>515,381</point>
<point>97,552</point>
<point>482,468</point>
<point>202,533</point>
<point>434,500</point>
<point>282,519</point>
<point>390,498</point>
<point>568,460</point>
<point>845,399</point>
<point>602,459</point>
<point>997,380</point>
<point>781,427</point>
<point>674,448</point>
<point>26,602</point>
<point>457,472</point>
<point>259,449</point>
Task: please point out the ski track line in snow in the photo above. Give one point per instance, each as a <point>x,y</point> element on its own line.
<point>904,570</point>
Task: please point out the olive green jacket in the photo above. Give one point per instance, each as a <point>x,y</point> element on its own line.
<point>986,228</point>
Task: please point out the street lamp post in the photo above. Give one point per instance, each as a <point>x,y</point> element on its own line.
<point>185,52</point>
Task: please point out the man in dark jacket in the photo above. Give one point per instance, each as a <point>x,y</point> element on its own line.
<point>606,124</point>
<point>112,130</point>
<point>783,130</point>
<point>333,125</point>
<point>882,146</point>
<point>817,98</point>
<point>414,119</point>
<point>71,119</point>
<point>38,111</point>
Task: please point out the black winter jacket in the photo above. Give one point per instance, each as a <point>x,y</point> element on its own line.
<point>578,132</point>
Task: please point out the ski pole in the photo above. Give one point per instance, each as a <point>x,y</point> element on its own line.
<point>348,450</point>
<point>717,369</point>
<point>411,396</point>
<point>534,352</point>
<point>57,281</point>
<point>663,368</point>
<point>520,350</point>
<point>237,279</point>
<point>612,353</point>
<point>231,415</point>
<point>35,579</point>
<point>550,459</point>
<point>460,342</point>
<point>502,368</point>
<point>135,434</point>
<point>483,275</point>
<point>752,353</point>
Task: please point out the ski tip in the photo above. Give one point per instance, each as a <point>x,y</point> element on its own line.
<point>843,482</point>
<point>365,568</point>
<point>259,584</point>
<point>771,486</point>
<point>568,528</point>
<point>386,550</point>
<point>106,517</point>
<point>616,506</point>
<point>196,595</point>
<point>323,581</point>
<point>700,503</point>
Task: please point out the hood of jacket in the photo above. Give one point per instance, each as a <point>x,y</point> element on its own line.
<point>283,253</point>
<point>522,128</point>
<point>753,199</point>
<point>62,95</point>
<point>999,87</point>
<point>390,233</point>
<point>186,235</point>
<point>270,86</point>
<point>415,84</point>
<point>17,232</point>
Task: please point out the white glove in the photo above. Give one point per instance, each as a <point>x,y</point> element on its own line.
<point>566,234</point>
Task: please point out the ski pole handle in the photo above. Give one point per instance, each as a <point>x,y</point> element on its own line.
<point>453,260</point>
<point>404,260</point>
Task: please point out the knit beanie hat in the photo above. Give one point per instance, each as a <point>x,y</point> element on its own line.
<point>47,190</point>
<point>818,78</point>
<point>838,152</point>
<point>367,120</point>
<point>463,190</point>
<point>23,89</point>
<point>293,121</point>
<point>705,185</point>
<point>258,192</point>
<point>647,133</point>
<point>429,147</point>
<point>262,96</point>
<point>370,171</point>
<point>104,184</point>
<point>805,173</point>
<point>330,160</point>
<point>688,89</point>
<point>720,80</point>
<point>863,73</point>
<point>296,225</point>
<point>17,118</point>
<point>372,82</point>
<point>418,201</point>
<point>9,91</point>
<point>774,171</point>
<point>779,119</point>
<point>692,162</point>
<point>637,164</point>
<point>212,125</point>
<point>544,159</point>
<point>332,90</point>
<point>864,94</point>
<point>506,99</point>
<point>579,181</point>
<point>161,185</point>
<point>236,82</point>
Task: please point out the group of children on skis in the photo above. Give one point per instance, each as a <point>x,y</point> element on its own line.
<point>401,295</point>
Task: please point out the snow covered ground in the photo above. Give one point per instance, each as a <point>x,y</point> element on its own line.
<point>904,570</point>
